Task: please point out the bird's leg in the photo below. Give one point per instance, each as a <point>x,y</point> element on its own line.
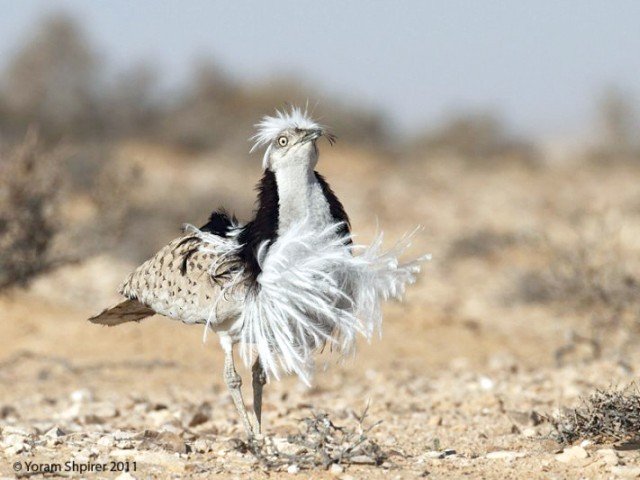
<point>259,379</point>
<point>234,382</point>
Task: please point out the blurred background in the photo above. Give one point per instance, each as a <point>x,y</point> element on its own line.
<point>510,131</point>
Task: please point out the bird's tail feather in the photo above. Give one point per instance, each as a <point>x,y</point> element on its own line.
<point>130,310</point>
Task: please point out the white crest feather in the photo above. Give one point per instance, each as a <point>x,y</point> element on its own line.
<point>270,127</point>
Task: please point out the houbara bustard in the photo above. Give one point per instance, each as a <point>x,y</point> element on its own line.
<point>282,285</point>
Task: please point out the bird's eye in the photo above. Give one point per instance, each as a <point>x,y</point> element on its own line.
<point>282,141</point>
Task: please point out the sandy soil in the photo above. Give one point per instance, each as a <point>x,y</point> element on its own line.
<point>459,379</point>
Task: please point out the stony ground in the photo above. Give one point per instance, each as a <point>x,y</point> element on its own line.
<point>461,383</point>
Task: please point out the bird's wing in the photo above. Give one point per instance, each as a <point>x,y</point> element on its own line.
<point>183,281</point>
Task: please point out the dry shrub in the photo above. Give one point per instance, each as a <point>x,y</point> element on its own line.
<point>592,276</point>
<point>590,271</point>
<point>606,416</point>
<point>36,191</point>
<point>29,209</point>
<point>320,444</point>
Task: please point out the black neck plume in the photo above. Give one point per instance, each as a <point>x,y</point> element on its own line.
<point>264,225</point>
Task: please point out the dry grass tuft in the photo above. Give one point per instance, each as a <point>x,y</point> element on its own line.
<point>592,277</point>
<point>605,416</point>
<point>320,444</point>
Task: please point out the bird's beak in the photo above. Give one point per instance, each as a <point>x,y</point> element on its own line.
<point>312,134</point>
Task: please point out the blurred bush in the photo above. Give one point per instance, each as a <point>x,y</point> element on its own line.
<point>40,227</point>
<point>58,82</point>
<point>618,126</point>
<point>53,82</point>
<point>589,275</point>
<point>29,211</point>
<point>479,137</point>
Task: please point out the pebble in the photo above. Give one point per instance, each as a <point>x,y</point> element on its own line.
<point>572,454</point>
<point>435,421</point>
<point>82,395</point>
<point>159,418</point>
<point>12,430</point>
<point>17,448</point>
<point>125,476</point>
<point>202,446</point>
<point>164,459</point>
<point>171,442</point>
<point>336,469</point>
<point>54,432</point>
<point>106,441</point>
<point>362,460</point>
<point>626,472</point>
<point>505,455</point>
<point>103,410</point>
<point>198,418</point>
<point>608,456</point>
<point>293,468</point>
<point>486,383</point>
<point>530,432</point>
<point>438,454</point>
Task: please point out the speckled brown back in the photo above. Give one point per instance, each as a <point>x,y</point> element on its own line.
<point>177,282</point>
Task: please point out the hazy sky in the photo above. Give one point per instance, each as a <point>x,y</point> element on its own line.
<point>541,63</point>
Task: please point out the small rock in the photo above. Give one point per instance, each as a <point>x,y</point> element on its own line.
<point>12,439</point>
<point>54,432</point>
<point>572,454</point>
<point>198,418</point>
<point>159,418</point>
<point>106,441</point>
<point>585,443</point>
<point>530,432</point>
<point>16,448</point>
<point>8,411</point>
<point>486,383</point>
<point>284,446</point>
<point>202,446</point>
<point>626,472</point>
<point>434,454</point>
<point>505,455</point>
<point>12,430</point>
<point>165,440</point>
<point>362,459</point>
<point>435,421</point>
<point>121,453</point>
<point>336,469</point>
<point>293,468</point>
<point>168,460</point>
<point>80,396</point>
<point>608,456</point>
<point>442,454</point>
<point>104,410</point>
<point>125,476</point>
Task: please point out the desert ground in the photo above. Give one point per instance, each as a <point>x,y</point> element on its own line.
<point>524,310</point>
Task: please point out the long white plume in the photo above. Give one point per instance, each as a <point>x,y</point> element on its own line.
<point>313,290</point>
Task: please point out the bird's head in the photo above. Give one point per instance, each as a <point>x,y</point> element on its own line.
<point>290,138</point>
